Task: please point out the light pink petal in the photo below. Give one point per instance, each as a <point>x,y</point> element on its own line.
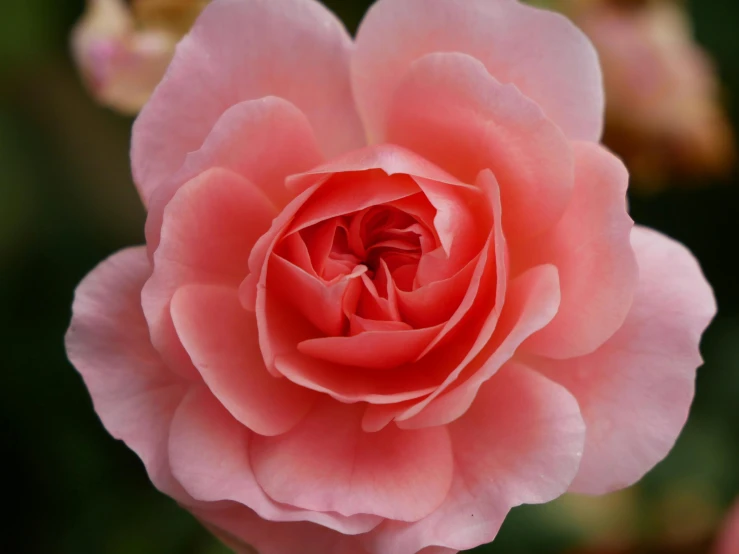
<point>209,452</point>
<point>221,338</point>
<point>635,390</point>
<point>134,393</point>
<point>532,301</point>
<point>209,230</point>
<point>449,109</point>
<point>262,140</point>
<point>383,350</point>
<point>245,50</point>
<point>246,533</point>
<point>543,54</point>
<point>327,463</point>
<point>590,247</point>
<point>519,443</point>
<point>390,158</point>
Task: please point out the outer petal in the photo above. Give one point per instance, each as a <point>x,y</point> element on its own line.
<point>591,248</point>
<point>262,140</point>
<point>221,338</point>
<point>635,391</point>
<point>209,230</point>
<point>449,109</point>
<point>209,453</point>
<point>542,53</point>
<point>243,50</point>
<point>134,394</point>
<point>240,527</point>
<point>519,443</point>
<point>329,464</point>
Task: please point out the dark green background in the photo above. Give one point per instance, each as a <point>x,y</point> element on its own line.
<point>66,202</point>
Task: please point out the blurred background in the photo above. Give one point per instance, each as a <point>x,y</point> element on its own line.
<point>67,201</point>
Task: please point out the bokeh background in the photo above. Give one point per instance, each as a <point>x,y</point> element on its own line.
<point>66,202</point>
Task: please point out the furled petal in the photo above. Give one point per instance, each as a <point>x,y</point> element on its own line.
<point>134,393</point>
<point>449,109</point>
<point>384,350</point>
<point>532,301</point>
<point>328,463</point>
<point>244,50</point>
<point>635,390</point>
<point>591,248</point>
<point>209,230</point>
<point>221,338</point>
<point>519,443</point>
<point>542,53</point>
<point>209,452</point>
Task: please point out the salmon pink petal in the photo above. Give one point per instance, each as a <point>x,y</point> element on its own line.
<point>352,192</point>
<point>134,393</point>
<point>531,303</point>
<point>209,230</point>
<point>590,247</point>
<point>262,140</point>
<point>327,463</point>
<point>374,350</point>
<point>519,443</point>
<point>320,302</point>
<point>449,109</point>
<point>221,338</point>
<point>512,40</point>
<point>245,50</point>
<point>209,450</point>
<point>635,390</point>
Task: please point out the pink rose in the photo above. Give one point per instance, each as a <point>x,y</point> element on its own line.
<point>334,348</point>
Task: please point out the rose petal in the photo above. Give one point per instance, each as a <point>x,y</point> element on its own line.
<point>519,443</point>
<point>532,301</point>
<point>635,390</point>
<point>221,338</point>
<point>209,230</point>
<point>262,140</point>
<point>449,109</point>
<point>134,393</point>
<point>209,450</point>
<point>244,50</point>
<point>542,53</point>
<point>328,463</point>
<point>590,247</point>
<point>384,350</point>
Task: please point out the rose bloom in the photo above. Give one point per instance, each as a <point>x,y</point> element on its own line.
<point>123,48</point>
<point>390,288</point>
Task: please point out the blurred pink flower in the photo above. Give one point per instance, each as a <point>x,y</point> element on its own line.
<point>390,288</point>
<point>663,110</point>
<point>123,49</point>
<point>728,541</point>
